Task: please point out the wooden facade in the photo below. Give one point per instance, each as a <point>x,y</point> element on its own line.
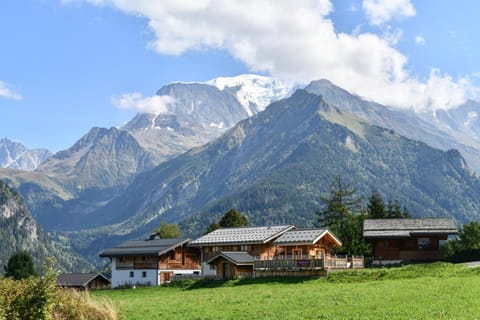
<point>179,258</point>
<point>396,240</point>
<point>415,248</point>
<point>257,250</point>
<point>292,252</point>
<point>306,250</point>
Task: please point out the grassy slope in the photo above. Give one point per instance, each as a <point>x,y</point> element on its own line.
<point>438,291</point>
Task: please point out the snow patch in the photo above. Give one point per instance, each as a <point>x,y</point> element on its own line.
<point>255,92</point>
<point>219,125</point>
<point>472,115</point>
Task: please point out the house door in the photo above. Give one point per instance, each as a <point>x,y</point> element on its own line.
<point>228,271</point>
<point>297,253</point>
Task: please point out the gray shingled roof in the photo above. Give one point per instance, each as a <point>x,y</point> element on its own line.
<point>77,279</point>
<point>154,247</point>
<point>378,228</point>
<point>304,236</point>
<point>236,257</point>
<point>243,235</point>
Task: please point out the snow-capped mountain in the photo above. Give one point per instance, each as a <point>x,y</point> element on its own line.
<point>15,155</point>
<point>203,111</point>
<point>255,92</point>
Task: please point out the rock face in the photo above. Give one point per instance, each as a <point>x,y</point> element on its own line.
<point>19,231</point>
<point>15,155</point>
<point>275,165</point>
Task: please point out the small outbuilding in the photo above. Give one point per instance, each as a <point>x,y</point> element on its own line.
<point>83,281</point>
<point>396,240</point>
<point>232,265</point>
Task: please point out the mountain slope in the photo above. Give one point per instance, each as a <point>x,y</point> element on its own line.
<point>15,155</point>
<point>102,159</point>
<point>453,129</point>
<point>275,165</point>
<point>19,231</point>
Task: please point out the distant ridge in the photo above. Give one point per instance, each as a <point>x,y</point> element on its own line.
<point>15,155</point>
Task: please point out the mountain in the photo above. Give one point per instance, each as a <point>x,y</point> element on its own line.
<point>102,159</point>
<point>456,128</point>
<point>15,155</point>
<point>102,163</point>
<point>19,231</point>
<point>203,111</point>
<point>275,165</point>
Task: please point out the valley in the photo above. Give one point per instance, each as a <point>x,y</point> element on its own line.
<point>223,144</point>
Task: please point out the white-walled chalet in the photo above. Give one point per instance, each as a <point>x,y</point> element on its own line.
<point>152,261</point>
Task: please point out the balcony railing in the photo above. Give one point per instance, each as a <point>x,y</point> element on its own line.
<point>309,263</point>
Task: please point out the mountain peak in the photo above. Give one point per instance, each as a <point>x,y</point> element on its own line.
<point>15,155</point>
<point>255,92</point>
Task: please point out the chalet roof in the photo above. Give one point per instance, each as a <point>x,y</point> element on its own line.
<point>381,228</point>
<point>235,257</point>
<point>304,236</point>
<point>242,235</point>
<point>78,279</point>
<point>148,247</point>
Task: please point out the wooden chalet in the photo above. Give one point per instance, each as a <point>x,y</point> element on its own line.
<point>396,240</point>
<point>152,261</point>
<point>83,281</point>
<point>217,246</point>
<point>305,252</point>
<point>270,251</point>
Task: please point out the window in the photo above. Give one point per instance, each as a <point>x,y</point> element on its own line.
<point>244,247</point>
<point>122,259</point>
<point>131,274</point>
<point>215,249</point>
<point>144,274</point>
<point>172,255</point>
<point>423,243</point>
<point>213,267</point>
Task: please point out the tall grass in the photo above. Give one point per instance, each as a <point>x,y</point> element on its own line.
<point>39,299</point>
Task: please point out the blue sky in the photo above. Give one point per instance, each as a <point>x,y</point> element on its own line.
<point>62,63</point>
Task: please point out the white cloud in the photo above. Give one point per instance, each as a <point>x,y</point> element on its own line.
<point>296,40</point>
<point>380,11</point>
<point>420,40</point>
<point>153,104</point>
<point>6,91</point>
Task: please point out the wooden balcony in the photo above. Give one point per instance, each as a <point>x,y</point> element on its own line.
<point>306,263</point>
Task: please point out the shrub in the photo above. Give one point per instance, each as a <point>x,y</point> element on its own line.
<point>38,298</point>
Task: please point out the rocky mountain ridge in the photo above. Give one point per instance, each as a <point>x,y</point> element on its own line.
<point>15,155</point>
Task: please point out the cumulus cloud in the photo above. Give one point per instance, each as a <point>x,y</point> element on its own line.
<point>6,91</point>
<point>380,11</point>
<point>420,40</point>
<point>153,104</point>
<point>296,40</point>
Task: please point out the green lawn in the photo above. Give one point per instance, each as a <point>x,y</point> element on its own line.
<point>435,291</point>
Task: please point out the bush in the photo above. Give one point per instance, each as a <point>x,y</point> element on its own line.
<point>38,298</point>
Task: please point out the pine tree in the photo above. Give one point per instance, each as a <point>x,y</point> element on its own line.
<point>342,215</point>
<point>394,210</point>
<point>376,206</point>
<point>167,230</point>
<point>20,266</point>
<point>233,218</point>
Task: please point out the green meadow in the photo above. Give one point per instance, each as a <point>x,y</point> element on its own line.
<point>426,291</point>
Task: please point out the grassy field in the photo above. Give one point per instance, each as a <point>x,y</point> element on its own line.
<point>431,291</point>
